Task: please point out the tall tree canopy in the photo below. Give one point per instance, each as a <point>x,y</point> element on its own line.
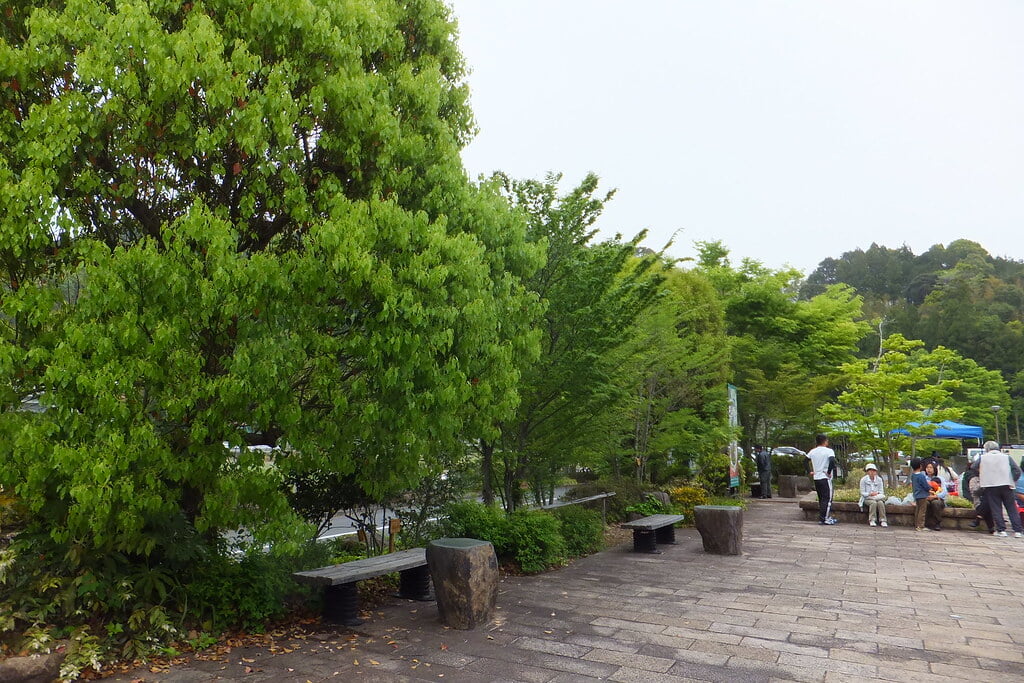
<point>224,218</point>
<point>592,294</point>
<point>908,383</point>
<point>956,295</point>
<point>678,365</point>
<point>785,351</point>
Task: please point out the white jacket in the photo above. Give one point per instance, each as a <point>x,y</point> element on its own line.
<point>867,487</point>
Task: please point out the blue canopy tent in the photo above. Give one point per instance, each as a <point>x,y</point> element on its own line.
<point>947,429</point>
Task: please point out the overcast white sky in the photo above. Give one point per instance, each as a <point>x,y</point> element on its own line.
<point>789,130</point>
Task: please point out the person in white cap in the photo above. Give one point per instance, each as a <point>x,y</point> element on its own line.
<point>872,491</point>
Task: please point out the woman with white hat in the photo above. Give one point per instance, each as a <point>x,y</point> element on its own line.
<point>872,490</point>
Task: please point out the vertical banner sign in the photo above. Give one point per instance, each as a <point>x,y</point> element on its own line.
<point>734,449</point>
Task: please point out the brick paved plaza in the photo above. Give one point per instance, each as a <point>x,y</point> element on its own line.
<point>804,602</point>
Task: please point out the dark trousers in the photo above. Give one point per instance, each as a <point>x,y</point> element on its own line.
<point>1002,497</point>
<point>984,510</point>
<point>766,483</point>
<point>933,514</point>
<point>823,487</point>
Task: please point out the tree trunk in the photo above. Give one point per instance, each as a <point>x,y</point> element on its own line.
<point>487,471</point>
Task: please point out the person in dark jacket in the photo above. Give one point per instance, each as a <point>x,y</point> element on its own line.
<point>763,459</point>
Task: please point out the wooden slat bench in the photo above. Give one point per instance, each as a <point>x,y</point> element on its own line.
<point>650,531</point>
<point>341,599</point>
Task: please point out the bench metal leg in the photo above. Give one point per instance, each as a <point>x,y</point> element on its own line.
<point>666,535</point>
<point>414,584</point>
<point>341,604</point>
<point>644,541</point>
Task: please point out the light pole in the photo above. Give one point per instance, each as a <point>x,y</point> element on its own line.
<point>995,413</point>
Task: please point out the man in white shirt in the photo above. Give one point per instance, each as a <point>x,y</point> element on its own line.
<point>822,461</point>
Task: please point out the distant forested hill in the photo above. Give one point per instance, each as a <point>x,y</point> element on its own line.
<point>958,296</point>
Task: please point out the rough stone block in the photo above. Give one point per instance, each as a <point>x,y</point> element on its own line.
<point>41,668</point>
<point>790,485</point>
<point>720,527</point>
<point>465,574</point>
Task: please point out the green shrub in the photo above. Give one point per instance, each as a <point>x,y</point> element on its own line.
<point>714,472</point>
<point>472,519</point>
<point>789,464</point>
<point>581,529</point>
<point>728,500</point>
<point>685,498</point>
<point>958,502</point>
<point>846,495</point>
<point>225,593</point>
<point>651,505</point>
<point>534,541</point>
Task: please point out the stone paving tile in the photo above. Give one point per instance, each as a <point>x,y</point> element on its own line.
<point>804,602</point>
<point>628,675</point>
<point>964,673</point>
<point>493,671</point>
<point>780,671</point>
<point>712,646</point>
<point>1001,666</point>
<point>551,647</point>
<point>647,640</point>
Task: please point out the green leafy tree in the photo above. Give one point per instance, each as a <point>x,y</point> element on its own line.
<point>678,361</point>
<point>905,384</point>
<point>592,295</point>
<point>786,352</point>
<point>231,221</point>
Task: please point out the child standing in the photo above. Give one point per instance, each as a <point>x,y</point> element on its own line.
<point>922,490</point>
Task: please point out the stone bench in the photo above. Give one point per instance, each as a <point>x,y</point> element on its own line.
<point>896,515</point>
<point>720,527</point>
<point>650,531</point>
<point>341,598</point>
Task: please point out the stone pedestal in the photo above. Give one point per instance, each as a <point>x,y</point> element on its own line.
<point>720,527</point>
<point>791,485</point>
<point>465,574</point>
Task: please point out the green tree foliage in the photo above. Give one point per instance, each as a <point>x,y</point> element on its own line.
<point>955,295</point>
<point>224,221</point>
<point>785,351</point>
<point>678,360</point>
<point>905,384</point>
<point>592,293</point>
